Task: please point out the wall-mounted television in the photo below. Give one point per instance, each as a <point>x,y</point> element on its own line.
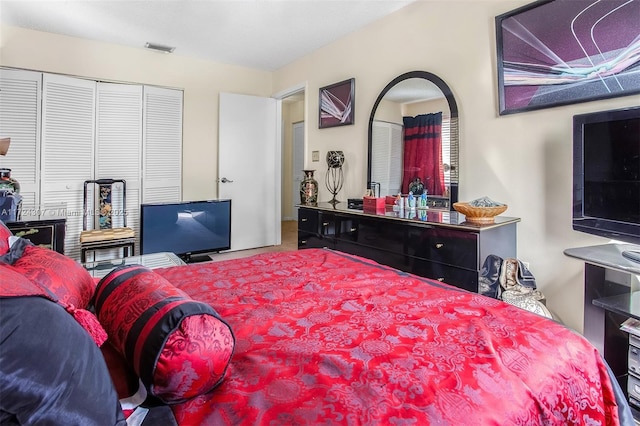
<point>606,174</point>
<point>187,228</point>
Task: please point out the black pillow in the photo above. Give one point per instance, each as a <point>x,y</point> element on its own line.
<point>51,371</point>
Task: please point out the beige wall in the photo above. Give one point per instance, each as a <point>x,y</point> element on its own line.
<point>524,160</point>
<point>435,105</point>
<point>202,81</point>
<point>389,111</point>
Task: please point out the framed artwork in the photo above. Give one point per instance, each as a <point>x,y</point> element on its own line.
<point>336,104</point>
<point>560,52</point>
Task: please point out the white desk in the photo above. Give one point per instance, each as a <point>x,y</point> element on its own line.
<point>153,260</point>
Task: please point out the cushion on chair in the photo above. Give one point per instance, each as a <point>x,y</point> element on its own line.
<point>180,348</point>
<point>96,235</point>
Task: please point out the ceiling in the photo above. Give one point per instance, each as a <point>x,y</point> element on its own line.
<point>259,34</point>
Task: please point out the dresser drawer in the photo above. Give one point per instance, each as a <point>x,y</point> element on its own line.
<point>373,233</point>
<point>451,247</point>
<point>459,277</point>
<point>395,260</point>
<point>313,240</point>
<point>328,224</point>
<point>308,220</point>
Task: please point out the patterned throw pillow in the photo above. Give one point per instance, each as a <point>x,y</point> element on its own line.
<point>180,348</point>
<point>5,233</point>
<point>63,277</point>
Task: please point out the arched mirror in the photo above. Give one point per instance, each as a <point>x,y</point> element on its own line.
<point>413,139</point>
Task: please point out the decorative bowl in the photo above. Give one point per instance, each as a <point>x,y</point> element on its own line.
<point>479,214</point>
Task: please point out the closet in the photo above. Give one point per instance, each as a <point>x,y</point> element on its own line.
<point>386,168</point>
<point>65,130</point>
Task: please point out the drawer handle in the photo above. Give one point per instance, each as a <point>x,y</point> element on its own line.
<point>441,279</point>
<point>325,223</point>
<point>304,219</point>
<point>303,242</point>
<point>354,229</point>
<point>439,245</point>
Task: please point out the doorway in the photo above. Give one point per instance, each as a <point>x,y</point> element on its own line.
<point>297,165</point>
<point>293,140</point>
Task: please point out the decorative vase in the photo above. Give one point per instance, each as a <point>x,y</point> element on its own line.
<point>7,183</point>
<point>308,188</point>
<point>335,159</point>
<point>416,186</point>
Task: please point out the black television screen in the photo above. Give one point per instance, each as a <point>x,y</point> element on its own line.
<point>606,174</point>
<point>185,228</point>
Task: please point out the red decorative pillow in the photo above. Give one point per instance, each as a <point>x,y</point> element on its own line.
<point>14,284</point>
<point>64,277</point>
<point>180,348</point>
<point>5,233</point>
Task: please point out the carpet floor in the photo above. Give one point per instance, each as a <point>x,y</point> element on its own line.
<point>289,242</point>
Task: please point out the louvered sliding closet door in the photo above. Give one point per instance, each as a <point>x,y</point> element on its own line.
<point>20,121</point>
<point>119,147</point>
<point>68,129</point>
<point>386,169</point>
<point>162,145</point>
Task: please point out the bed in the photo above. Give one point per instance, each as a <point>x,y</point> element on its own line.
<point>322,337</point>
<point>307,337</point>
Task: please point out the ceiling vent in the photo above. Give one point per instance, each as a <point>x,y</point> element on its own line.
<point>159,47</point>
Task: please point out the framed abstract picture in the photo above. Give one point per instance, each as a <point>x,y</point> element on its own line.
<point>560,52</point>
<point>336,104</point>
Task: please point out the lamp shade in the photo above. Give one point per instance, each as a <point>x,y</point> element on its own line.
<point>335,159</point>
<point>4,145</point>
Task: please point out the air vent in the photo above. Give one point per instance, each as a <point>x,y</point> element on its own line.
<point>159,47</point>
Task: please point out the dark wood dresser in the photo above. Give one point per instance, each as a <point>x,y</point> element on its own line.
<point>429,243</point>
<point>48,233</point>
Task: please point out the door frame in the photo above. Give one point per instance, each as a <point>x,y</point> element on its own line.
<point>300,87</point>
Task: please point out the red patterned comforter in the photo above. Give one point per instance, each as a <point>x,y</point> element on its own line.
<point>328,338</point>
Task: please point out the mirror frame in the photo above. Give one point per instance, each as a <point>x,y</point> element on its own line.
<point>453,110</point>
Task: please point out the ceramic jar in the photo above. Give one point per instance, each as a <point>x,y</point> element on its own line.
<point>7,183</point>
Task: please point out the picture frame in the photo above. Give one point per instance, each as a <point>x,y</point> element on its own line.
<point>336,106</point>
<point>561,52</point>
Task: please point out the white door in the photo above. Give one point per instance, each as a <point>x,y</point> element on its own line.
<point>67,154</point>
<point>20,115</point>
<point>298,165</point>
<point>118,152</point>
<point>162,145</point>
<point>249,168</point>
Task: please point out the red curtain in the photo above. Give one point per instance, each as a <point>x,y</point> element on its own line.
<point>423,152</point>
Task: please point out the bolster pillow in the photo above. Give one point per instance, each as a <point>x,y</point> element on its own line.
<point>179,347</point>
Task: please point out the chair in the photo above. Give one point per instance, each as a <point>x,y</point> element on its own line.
<point>99,228</point>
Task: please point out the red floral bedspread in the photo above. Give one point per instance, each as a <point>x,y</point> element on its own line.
<point>328,338</point>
